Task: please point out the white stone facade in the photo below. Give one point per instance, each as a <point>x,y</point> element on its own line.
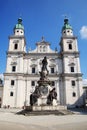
<point>22,69</point>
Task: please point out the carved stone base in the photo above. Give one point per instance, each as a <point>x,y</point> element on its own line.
<point>47,108</point>
<point>54,103</point>
<point>42,101</point>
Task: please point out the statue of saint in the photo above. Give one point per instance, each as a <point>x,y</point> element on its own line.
<point>34,96</point>
<point>44,63</point>
<point>52,95</point>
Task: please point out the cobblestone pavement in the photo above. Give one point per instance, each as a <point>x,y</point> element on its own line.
<point>10,121</point>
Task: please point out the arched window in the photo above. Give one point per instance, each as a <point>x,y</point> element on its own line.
<point>12,82</point>
<point>16,46</point>
<point>52,70</point>
<point>73,83</point>
<point>70,46</point>
<point>13,68</point>
<point>33,70</point>
<point>11,93</point>
<point>72,69</point>
<point>74,94</point>
<point>32,83</point>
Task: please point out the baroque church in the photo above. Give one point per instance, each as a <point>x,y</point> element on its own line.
<point>22,68</point>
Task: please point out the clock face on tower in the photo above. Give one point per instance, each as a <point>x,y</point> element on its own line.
<point>69,41</point>
<point>15,41</point>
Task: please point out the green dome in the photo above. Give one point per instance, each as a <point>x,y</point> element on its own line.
<point>19,25</point>
<point>66,25</point>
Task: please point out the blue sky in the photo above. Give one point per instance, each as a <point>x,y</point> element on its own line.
<point>43,18</point>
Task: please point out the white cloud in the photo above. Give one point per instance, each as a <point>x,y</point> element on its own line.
<point>83,32</point>
<point>1,76</point>
<point>84,82</point>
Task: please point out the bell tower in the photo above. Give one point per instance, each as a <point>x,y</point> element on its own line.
<point>17,41</point>
<point>71,74</point>
<point>15,67</point>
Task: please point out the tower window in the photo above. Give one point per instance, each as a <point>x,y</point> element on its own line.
<point>16,46</point>
<point>73,83</point>
<point>72,69</point>
<point>70,46</point>
<point>52,70</point>
<point>12,82</point>
<point>13,68</point>
<point>74,94</point>
<point>33,83</point>
<point>33,70</point>
<point>11,94</point>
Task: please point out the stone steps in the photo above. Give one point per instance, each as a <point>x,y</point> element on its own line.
<point>45,112</point>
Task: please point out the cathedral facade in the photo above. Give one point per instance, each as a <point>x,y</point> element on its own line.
<point>22,68</point>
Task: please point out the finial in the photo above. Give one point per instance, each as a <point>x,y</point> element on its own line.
<point>66,21</point>
<point>42,38</point>
<point>19,20</point>
<point>65,16</point>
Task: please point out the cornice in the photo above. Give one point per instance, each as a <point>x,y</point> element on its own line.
<point>13,74</point>
<point>16,36</point>
<point>71,74</point>
<point>29,55</point>
<point>15,52</point>
<point>41,54</point>
<point>76,75</point>
<point>67,52</point>
<point>68,37</point>
<point>29,75</point>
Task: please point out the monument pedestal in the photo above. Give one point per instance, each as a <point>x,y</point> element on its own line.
<point>46,108</point>
<point>54,103</point>
<point>44,98</point>
<point>42,101</point>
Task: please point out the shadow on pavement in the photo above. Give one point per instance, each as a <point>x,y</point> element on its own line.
<point>82,111</point>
